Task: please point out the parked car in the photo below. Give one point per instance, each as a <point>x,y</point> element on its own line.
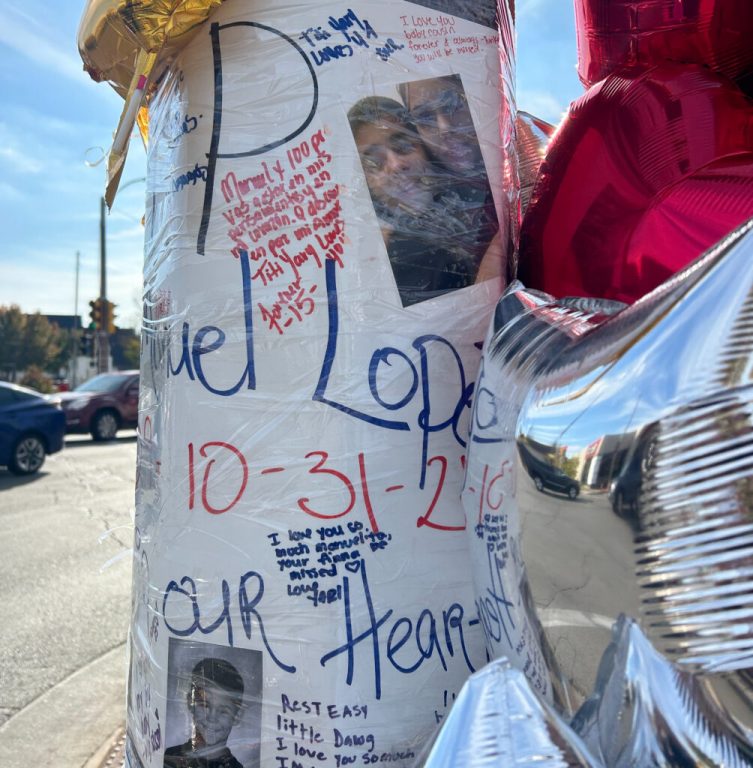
<point>103,405</point>
<point>625,490</point>
<point>31,426</point>
<point>544,475</point>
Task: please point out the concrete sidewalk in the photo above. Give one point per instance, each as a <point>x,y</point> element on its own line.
<point>74,724</point>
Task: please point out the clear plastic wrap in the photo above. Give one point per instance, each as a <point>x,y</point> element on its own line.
<point>326,237</point>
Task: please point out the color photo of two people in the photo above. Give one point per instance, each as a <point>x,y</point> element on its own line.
<point>428,183</point>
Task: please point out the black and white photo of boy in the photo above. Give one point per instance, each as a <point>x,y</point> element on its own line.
<point>214,706</point>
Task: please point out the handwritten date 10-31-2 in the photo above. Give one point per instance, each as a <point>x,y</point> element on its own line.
<point>221,464</point>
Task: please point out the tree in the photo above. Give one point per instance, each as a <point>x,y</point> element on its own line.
<point>26,340</point>
<point>12,326</point>
<point>570,466</point>
<point>42,342</point>
<point>36,378</point>
<point>125,349</point>
<point>69,346</point>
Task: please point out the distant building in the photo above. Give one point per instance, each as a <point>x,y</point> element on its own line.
<point>65,322</point>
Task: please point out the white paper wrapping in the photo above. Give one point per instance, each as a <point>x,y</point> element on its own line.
<point>313,317</point>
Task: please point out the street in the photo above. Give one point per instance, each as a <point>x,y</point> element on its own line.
<point>65,569</point>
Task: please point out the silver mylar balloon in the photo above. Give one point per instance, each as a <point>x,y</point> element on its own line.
<point>610,471</point>
<point>532,136</point>
<point>497,721</point>
<point>647,711</point>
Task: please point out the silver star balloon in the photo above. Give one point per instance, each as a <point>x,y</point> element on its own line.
<point>647,711</point>
<point>610,471</point>
<point>498,721</point>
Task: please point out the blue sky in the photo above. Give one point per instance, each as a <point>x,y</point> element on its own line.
<point>55,122</point>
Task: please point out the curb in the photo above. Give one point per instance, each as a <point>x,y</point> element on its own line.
<point>111,754</point>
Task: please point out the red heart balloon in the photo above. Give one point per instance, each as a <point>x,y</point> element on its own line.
<point>613,33</point>
<point>649,169</point>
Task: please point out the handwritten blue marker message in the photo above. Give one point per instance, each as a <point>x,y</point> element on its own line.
<point>342,36</point>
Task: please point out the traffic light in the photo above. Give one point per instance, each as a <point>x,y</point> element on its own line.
<point>96,314</point>
<point>102,315</point>
<point>109,317</point>
<point>85,345</point>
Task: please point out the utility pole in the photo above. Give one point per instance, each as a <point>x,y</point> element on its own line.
<point>106,308</point>
<point>74,333</point>
<point>103,340</point>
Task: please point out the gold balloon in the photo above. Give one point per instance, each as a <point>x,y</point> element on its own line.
<point>130,45</point>
<point>113,33</point>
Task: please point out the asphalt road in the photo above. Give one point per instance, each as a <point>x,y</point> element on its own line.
<point>65,570</point>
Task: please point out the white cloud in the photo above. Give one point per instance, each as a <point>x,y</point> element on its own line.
<point>8,192</point>
<point>31,143</point>
<point>23,33</point>
<point>20,161</point>
<point>54,168</point>
<point>25,117</point>
<point>49,289</point>
<point>49,286</point>
<point>132,233</point>
<point>542,104</point>
<point>527,9</point>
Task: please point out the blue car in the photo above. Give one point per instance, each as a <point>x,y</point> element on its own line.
<point>31,426</point>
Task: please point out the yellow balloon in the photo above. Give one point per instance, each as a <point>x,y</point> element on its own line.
<point>112,34</point>
<point>129,45</point>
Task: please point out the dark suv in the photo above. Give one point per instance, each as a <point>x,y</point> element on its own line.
<point>103,405</point>
<point>544,475</point>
